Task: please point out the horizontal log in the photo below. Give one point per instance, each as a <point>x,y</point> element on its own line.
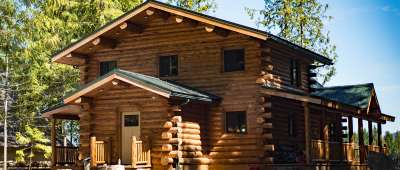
<point>166,161</point>
<point>190,131</point>
<point>166,147</point>
<point>194,161</point>
<point>269,148</point>
<point>189,136</point>
<point>167,125</point>
<point>166,135</point>
<point>188,125</point>
<point>191,148</point>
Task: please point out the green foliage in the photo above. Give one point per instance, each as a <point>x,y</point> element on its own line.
<point>202,6</point>
<point>301,22</point>
<point>33,141</point>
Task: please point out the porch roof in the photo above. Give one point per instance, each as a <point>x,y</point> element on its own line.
<point>355,95</point>
<point>164,88</point>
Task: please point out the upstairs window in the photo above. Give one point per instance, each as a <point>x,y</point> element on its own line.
<point>235,122</point>
<point>295,74</point>
<point>168,66</point>
<point>233,60</point>
<point>291,125</point>
<point>107,66</point>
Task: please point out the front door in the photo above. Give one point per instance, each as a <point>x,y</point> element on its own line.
<point>130,127</point>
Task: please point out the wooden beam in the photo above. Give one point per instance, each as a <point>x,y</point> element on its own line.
<point>83,100</point>
<point>307,130</point>
<point>350,129</point>
<point>75,59</point>
<point>53,142</point>
<point>209,28</point>
<point>361,140</point>
<point>131,27</point>
<point>178,19</point>
<point>149,12</point>
<point>370,136</point>
<point>105,42</point>
<point>380,136</point>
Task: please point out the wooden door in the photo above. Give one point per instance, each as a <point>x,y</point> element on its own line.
<point>130,127</point>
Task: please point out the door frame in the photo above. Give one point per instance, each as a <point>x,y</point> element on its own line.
<point>122,114</point>
<point>119,111</point>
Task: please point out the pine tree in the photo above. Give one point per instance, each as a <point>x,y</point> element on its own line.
<point>301,22</point>
<point>202,6</point>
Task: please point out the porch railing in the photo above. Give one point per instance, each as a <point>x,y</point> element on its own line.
<point>140,154</point>
<point>336,151</point>
<point>66,155</point>
<point>100,151</point>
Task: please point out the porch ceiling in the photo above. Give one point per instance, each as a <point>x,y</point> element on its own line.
<point>164,88</point>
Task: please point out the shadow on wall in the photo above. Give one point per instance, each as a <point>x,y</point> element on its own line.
<point>377,161</point>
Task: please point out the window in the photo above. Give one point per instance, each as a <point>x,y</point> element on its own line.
<point>131,120</point>
<point>107,66</point>
<point>235,122</point>
<point>168,66</point>
<point>233,60</point>
<point>291,125</point>
<point>295,74</point>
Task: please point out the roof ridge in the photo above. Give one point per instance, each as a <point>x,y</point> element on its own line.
<point>350,85</point>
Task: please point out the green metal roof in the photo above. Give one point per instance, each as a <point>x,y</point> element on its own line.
<point>354,95</point>
<point>173,88</point>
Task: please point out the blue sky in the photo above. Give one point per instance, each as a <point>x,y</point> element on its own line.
<point>367,35</point>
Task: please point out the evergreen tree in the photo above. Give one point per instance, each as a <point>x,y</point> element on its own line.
<point>202,6</point>
<point>301,22</point>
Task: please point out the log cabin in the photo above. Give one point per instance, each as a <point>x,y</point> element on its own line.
<point>162,87</point>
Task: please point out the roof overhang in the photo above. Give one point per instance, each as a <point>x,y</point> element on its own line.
<point>111,80</point>
<point>155,85</point>
<point>327,103</point>
<point>211,24</point>
<point>70,112</point>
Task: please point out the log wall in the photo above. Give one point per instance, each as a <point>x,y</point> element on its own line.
<point>200,66</point>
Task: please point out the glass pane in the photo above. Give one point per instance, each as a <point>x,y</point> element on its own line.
<point>131,120</point>
<point>235,122</point>
<point>107,66</point>
<point>233,60</point>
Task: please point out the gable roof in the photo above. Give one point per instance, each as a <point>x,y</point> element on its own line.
<point>262,35</point>
<point>164,88</point>
<point>354,95</point>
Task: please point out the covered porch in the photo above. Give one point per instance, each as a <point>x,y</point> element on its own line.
<point>136,120</point>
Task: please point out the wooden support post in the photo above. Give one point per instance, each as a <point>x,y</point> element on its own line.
<point>93,154</point>
<point>307,131</point>
<point>53,142</point>
<point>108,150</point>
<point>350,128</point>
<point>134,152</point>
<point>380,136</point>
<point>361,139</point>
<point>370,135</point>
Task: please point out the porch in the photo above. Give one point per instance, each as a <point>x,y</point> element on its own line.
<point>134,120</point>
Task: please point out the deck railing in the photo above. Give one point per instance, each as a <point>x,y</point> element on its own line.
<point>336,151</point>
<point>100,151</point>
<point>66,155</point>
<point>140,153</point>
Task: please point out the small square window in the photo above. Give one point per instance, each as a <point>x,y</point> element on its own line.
<point>235,122</point>
<point>233,60</point>
<point>168,66</point>
<point>107,66</point>
<point>131,120</point>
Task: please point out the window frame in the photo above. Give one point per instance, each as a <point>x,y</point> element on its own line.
<point>295,73</point>
<point>177,65</point>
<point>226,122</point>
<point>223,59</point>
<point>107,61</point>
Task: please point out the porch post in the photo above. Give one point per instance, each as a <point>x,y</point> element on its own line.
<point>350,129</point>
<point>370,133</point>
<point>361,139</point>
<point>380,136</point>
<point>53,142</point>
<point>307,132</point>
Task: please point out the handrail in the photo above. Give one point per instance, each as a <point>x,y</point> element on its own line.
<point>66,155</point>
<point>100,151</point>
<point>140,154</point>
